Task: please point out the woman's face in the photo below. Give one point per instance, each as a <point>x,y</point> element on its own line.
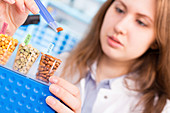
<point>128,29</point>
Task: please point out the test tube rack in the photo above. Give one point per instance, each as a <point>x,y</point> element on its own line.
<point>20,94</point>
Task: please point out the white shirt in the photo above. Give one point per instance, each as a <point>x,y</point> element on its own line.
<point>91,90</point>
<point>119,98</point>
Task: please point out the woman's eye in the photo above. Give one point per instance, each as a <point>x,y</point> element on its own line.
<point>119,10</point>
<point>141,23</point>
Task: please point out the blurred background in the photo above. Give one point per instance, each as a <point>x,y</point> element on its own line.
<point>73,15</point>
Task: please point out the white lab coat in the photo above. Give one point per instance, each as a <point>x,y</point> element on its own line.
<point>118,99</point>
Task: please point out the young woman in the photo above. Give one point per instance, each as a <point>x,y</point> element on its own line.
<point>122,65</point>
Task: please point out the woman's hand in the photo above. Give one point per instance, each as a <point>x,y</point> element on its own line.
<point>15,12</point>
<point>66,92</point>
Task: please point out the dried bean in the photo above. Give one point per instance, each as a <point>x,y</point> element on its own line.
<point>46,67</point>
<point>25,58</point>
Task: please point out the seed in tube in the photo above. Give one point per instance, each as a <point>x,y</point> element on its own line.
<point>59,29</point>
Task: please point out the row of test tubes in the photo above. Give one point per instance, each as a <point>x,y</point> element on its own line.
<point>26,56</point>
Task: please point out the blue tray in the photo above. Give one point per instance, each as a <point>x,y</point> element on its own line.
<point>19,94</point>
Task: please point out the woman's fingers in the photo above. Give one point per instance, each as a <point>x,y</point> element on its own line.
<point>20,4</point>
<point>57,105</point>
<point>67,97</point>
<point>66,85</point>
<point>23,4</point>
<point>31,5</point>
<point>9,1</point>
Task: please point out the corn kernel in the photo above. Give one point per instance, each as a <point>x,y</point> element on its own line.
<point>3,47</point>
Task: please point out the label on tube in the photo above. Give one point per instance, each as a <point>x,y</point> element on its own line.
<point>4,27</point>
<point>27,39</point>
<point>50,47</point>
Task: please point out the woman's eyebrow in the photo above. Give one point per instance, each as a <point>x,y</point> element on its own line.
<point>139,14</point>
<point>145,16</point>
<point>122,3</point>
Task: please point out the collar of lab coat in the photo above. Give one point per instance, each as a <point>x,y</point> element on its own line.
<point>116,85</point>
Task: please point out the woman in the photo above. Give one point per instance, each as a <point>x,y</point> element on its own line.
<point>122,65</point>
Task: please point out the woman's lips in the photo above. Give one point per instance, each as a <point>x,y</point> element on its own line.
<point>114,42</point>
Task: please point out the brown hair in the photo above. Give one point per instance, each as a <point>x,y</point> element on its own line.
<point>152,67</point>
<point>154,72</point>
<point>89,49</point>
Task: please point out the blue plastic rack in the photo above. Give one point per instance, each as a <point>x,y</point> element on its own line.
<point>19,94</point>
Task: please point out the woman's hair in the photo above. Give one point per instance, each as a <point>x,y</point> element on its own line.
<point>89,49</point>
<point>152,67</point>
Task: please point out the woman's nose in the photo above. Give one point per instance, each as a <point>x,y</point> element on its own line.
<point>122,25</point>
